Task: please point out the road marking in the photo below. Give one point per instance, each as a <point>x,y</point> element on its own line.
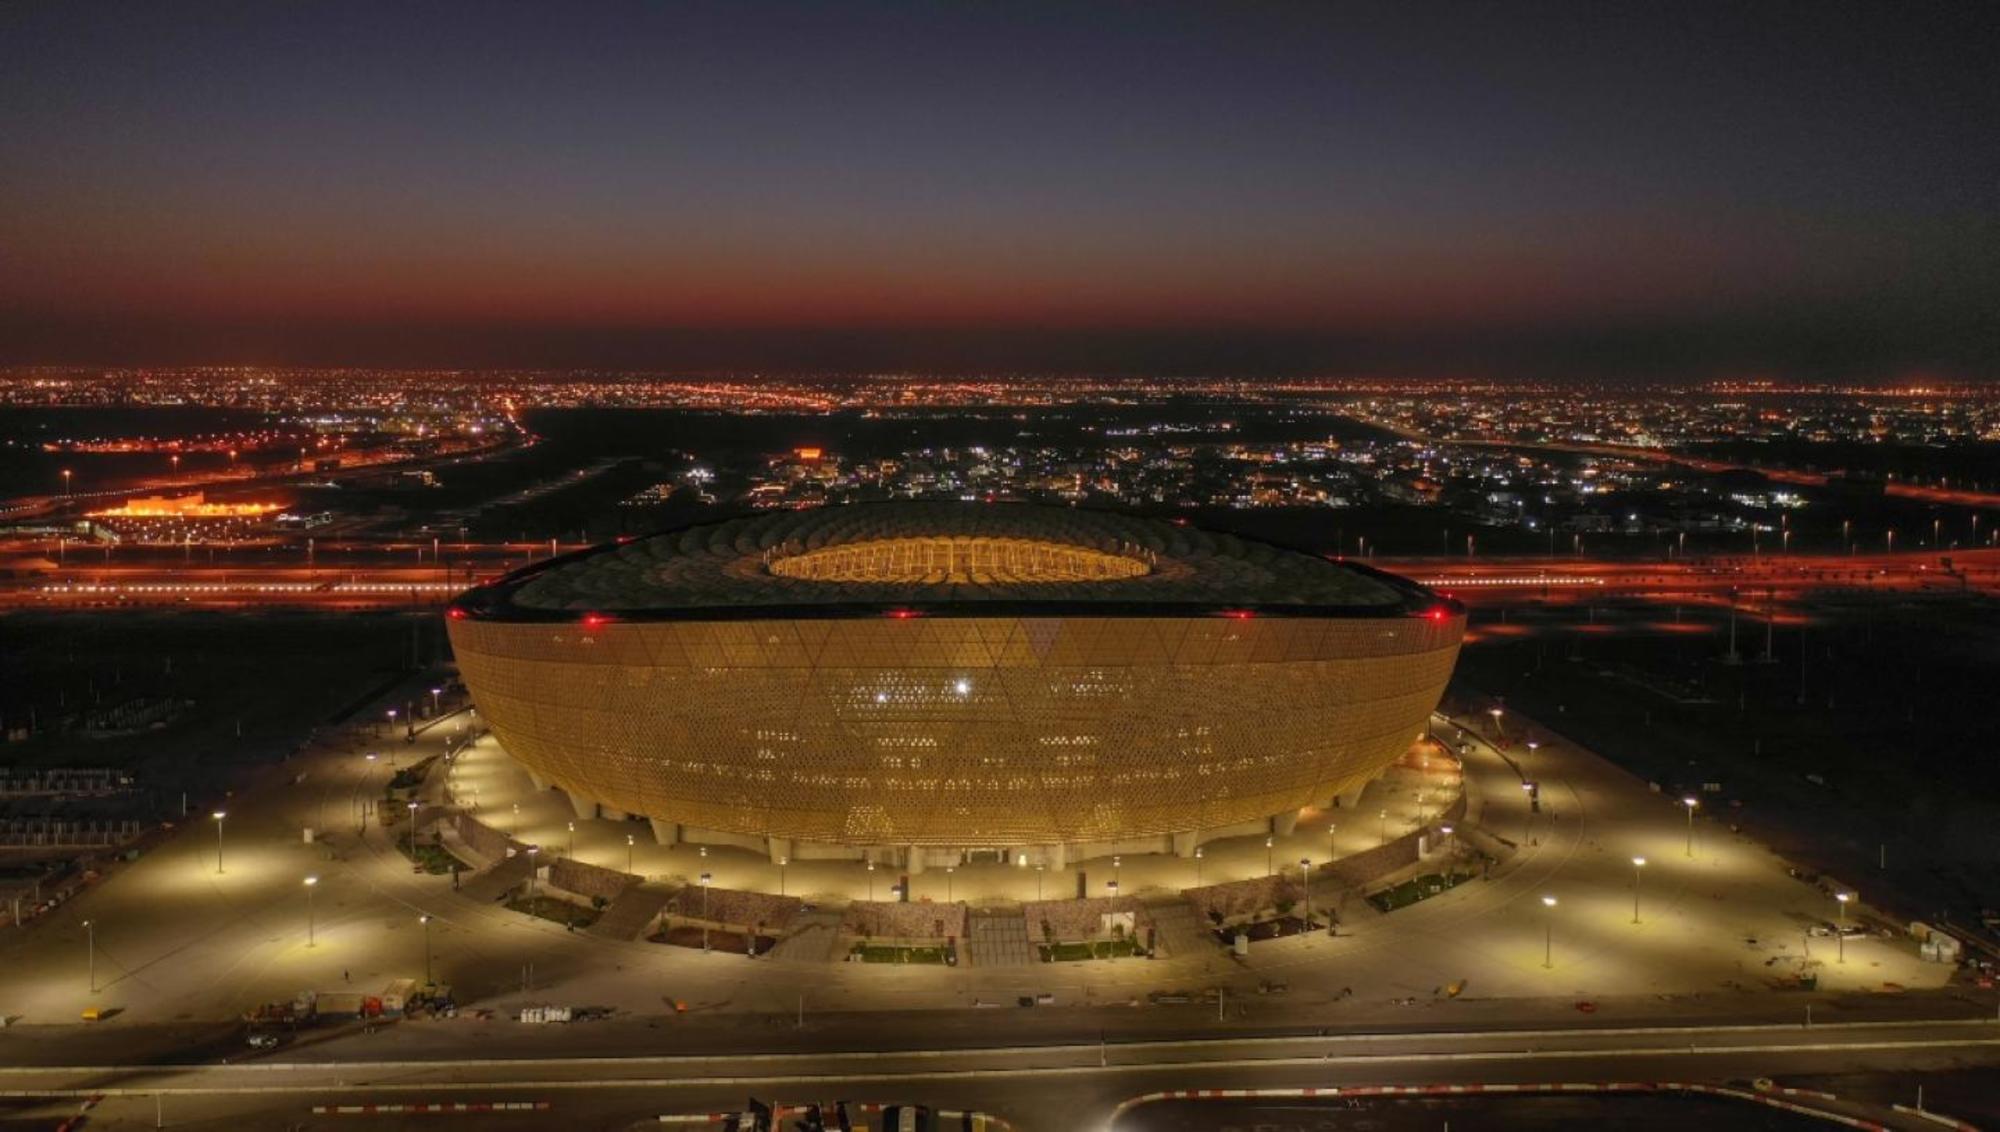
<point>1091,1048</point>
<point>1467,1056</point>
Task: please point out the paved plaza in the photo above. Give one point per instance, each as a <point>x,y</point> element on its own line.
<point>172,938</point>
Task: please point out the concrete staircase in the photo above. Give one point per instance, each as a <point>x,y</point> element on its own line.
<point>632,910</point>
<point>508,874</point>
<point>814,937</point>
<point>1180,929</point>
<point>998,938</point>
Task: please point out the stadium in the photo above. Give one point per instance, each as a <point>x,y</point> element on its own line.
<point>903,681</point>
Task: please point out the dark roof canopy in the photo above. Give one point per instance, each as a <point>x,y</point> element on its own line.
<point>752,566</point>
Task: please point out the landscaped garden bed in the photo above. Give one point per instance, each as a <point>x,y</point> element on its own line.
<point>1088,949</point>
<point>429,858</point>
<point>557,911</point>
<point>1416,888</point>
<point>899,953</point>
<point>718,939</point>
<point>1277,927</point>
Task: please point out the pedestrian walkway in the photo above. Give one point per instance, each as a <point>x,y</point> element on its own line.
<point>998,938</point>
<point>814,937</point>
<point>628,914</point>
<point>498,881</point>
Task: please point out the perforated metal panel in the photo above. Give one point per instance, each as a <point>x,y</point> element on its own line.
<point>948,730</point>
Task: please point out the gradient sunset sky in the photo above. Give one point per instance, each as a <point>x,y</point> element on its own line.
<point>1676,188</point>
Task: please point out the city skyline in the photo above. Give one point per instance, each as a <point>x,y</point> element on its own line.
<point>1697,193</point>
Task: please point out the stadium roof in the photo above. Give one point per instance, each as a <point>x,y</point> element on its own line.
<point>971,559</point>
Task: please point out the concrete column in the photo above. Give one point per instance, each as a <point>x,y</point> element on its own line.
<point>586,808</point>
<point>1184,843</point>
<point>609,814</point>
<point>1351,799</point>
<point>913,860</point>
<point>1283,824</point>
<point>540,782</point>
<point>779,847</point>
<point>1058,855</point>
<point>665,833</point>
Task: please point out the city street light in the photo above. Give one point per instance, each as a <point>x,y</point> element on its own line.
<point>1268,869</point>
<point>570,851</point>
<point>1306,886</point>
<point>1548,931</point>
<point>782,862</point>
<point>1638,863</point>
<point>1691,802</point>
<point>425,920</point>
<point>1330,854</point>
<point>90,936</point>
<point>218,816</point>
<point>948,870</point>
<point>1041,870</point>
<point>1840,933</point>
<point>532,851</point>
<point>311,883</point>
<point>413,831</point>
<point>629,840</point>
<point>435,692</point>
<point>705,881</point>
<point>1385,827</point>
<point>1497,731</point>
<point>1117,868</point>
<point>66,490</point>
<point>1197,868</point>
<point>871,883</point>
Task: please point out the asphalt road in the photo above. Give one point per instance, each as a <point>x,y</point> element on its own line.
<point>1055,1087</point>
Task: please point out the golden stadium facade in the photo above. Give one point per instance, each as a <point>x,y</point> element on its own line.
<point>962,676</point>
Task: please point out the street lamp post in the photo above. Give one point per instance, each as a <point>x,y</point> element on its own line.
<point>871,883</point>
<point>1306,887</point>
<point>425,920</point>
<point>1692,803</point>
<point>705,881</point>
<point>1268,867</point>
<point>1498,731</point>
<point>1197,868</point>
<point>218,816</point>
<point>413,831</point>
<point>629,840</point>
<point>1330,854</point>
<point>1840,933</point>
<point>570,849</point>
<point>1548,931</point>
<point>1638,863</point>
<point>782,862</point>
<point>434,699</point>
<point>1383,833</point>
<point>311,883</point>
<point>1117,868</point>
<point>948,870</point>
<point>90,929</point>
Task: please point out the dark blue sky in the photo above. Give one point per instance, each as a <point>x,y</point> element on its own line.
<point>1619,188</point>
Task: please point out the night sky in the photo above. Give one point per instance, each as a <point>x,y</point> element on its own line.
<point>1675,189</point>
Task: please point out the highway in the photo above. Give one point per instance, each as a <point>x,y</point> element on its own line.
<point>403,576</point>
<point>1055,1087</point>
